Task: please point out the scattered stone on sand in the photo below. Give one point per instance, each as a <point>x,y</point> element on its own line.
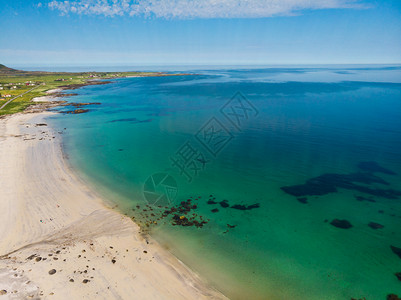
<point>113,261</point>
<point>3,292</point>
<point>85,281</point>
<point>38,258</point>
<point>398,275</point>
<point>396,251</point>
<point>375,225</point>
<point>52,271</point>
<point>344,224</point>
<point>71,280</point>
<point>393,297</point>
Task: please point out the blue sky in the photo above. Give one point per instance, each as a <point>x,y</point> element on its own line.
<point>152,32</point>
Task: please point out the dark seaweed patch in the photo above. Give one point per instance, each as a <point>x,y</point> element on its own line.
<point>131,120</point>
<point>303,200</point>
<point>224,204</point>
<point>344,224</point>
<point>396,251</point>
<point>361,198</point>
<point>329,183</point>
<point>374,225</point>
<point>374,167</point>
<point>215,210</point>
<point>244,207</point>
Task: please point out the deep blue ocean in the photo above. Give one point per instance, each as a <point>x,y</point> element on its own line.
<point>271,183</point>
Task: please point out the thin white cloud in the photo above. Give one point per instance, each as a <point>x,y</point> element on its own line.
<point>190,9</point>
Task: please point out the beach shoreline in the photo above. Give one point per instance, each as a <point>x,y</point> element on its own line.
<point>59,239</point>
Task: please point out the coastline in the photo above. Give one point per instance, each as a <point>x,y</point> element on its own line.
<point>53,221</point>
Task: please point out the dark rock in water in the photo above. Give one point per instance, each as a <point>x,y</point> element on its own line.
<point>214,210</point>
<point>374,225</point>
<point>52,271</point>
<point>393,297</point>
<point>211,202</point>
<point>372,166</point>
<point>398,275</point>
<point>77,111</point>
<point>224,204</point>
<point>79,105</point>
<point>396,251</point>
<point>344,224</point>
<point>380,211</point>
<point>244,207</point>
<point>303,200</point>
<point>361,198</point>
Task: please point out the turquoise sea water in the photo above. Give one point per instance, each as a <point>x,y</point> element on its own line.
<point>269,158</point>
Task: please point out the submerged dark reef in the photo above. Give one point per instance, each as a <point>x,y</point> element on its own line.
<point>359,181</point>
<point>364,181</point>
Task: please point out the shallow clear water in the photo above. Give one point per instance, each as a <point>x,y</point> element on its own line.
<point>243,135</point>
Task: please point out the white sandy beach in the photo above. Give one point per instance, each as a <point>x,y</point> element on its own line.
<point>51,220</point>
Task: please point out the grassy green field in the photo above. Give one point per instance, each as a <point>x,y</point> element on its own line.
<point>45,81</point>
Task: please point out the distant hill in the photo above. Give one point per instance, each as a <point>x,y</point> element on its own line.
<point>7,70</point>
